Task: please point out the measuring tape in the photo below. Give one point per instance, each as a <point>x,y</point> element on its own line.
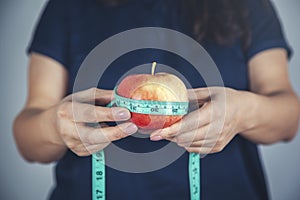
<point>98,176</point>
<point>153,108</point>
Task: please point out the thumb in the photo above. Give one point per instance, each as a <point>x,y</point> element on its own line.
<point>200,95</point>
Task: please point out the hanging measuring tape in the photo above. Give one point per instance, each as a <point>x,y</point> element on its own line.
<point>145,107</point>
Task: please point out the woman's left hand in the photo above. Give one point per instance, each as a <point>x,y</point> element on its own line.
<point>211,127</point>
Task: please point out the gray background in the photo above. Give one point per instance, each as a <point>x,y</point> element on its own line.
<point>21,180</point>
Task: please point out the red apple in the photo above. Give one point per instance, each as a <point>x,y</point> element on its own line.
<point>156,87</point>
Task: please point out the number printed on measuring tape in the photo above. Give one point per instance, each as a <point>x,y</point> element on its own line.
<point>98,176</point>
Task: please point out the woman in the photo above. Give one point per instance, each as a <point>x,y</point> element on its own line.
<point>245,40</point>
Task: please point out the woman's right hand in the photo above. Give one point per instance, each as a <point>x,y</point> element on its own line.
<point>50,123</point>
<point>73,114</point>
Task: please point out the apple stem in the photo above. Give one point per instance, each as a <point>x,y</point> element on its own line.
<point>153,68</point>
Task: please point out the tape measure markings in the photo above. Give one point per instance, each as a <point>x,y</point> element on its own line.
<point>151,107</point>
<point>98,176</point>
<point>194,176</point>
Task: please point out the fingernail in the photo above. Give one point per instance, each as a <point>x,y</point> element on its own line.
<point>131,129</point>
<point>156,138</point>
<point>121,114</point>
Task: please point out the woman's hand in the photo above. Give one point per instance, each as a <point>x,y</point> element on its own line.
<point>50,123</point>
<point>74,114</point>
<point>209,128</point>
<point>266,114</point>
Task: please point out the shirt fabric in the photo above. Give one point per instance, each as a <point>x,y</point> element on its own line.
<point>68,30</point>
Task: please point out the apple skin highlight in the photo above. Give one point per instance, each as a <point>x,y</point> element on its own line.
<point>158,87</point>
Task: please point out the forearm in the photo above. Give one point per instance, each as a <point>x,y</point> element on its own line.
<point>269,118</point>
<point>36,136</point>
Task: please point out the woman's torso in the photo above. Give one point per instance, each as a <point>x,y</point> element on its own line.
<point>234,173</point>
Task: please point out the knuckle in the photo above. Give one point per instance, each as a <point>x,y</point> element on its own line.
<point>118,135</point>
<point>90,114</point>
<point>90,139</point>
<point>61,114</point>
<point>103,113</point>
<point>108,114</point>
<point>64,110</point>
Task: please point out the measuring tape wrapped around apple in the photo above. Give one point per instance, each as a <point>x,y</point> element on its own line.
<point>153,105</point>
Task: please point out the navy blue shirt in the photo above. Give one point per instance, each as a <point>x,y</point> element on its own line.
<point>69,30</point>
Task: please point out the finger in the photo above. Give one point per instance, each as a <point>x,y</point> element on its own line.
<point>73,140</point>
<point>86,149</point>
<point>105,135</point>
<point>68,132</point>
<point>82,112</point>
<point>81,150</point>
<point>199,94</point>
<point>97,147</point>
<point>196,144</point>
<point>92,95</point>
<point>191,121</point>
<point>190,137</point>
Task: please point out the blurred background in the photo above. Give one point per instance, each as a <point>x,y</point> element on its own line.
<point>21,180</point>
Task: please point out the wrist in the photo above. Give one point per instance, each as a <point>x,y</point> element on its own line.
<point>247,109</point>
<point>50,129</point>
